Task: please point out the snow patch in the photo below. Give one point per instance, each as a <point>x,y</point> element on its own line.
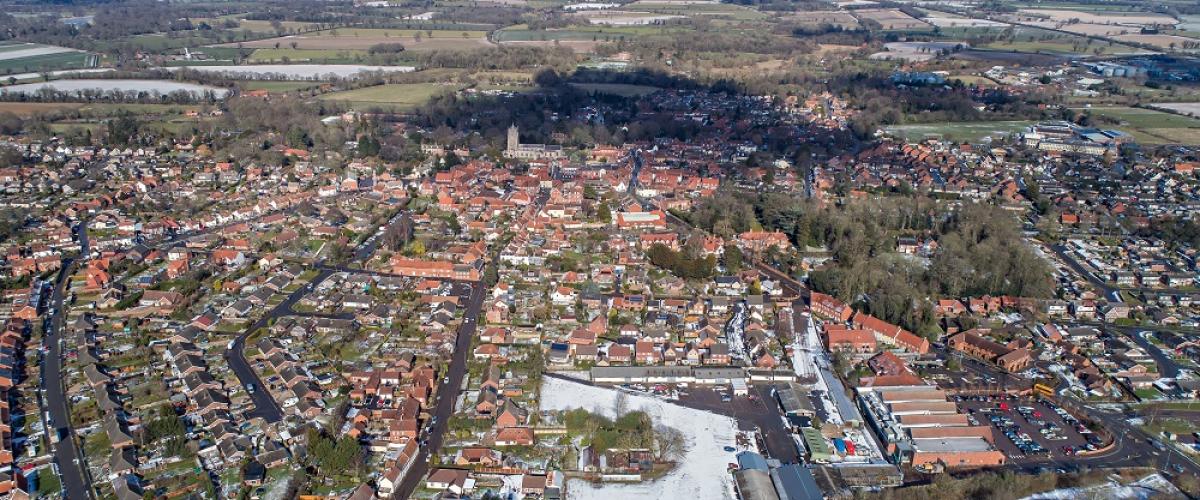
<point>700,475</point>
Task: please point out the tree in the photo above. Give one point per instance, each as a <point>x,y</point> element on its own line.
<point>733,258</point>
<point>604,213</point>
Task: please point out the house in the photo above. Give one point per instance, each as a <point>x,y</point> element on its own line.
<point>514,436</point>
<point>456,481</point>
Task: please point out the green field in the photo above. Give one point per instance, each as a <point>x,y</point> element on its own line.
<point>620,89</point>
<point>520,33</point>
<point>1149,126</point>
<point>298,55</point>
<point>48,62</point>
<point>394,96</point>
<point>272,86</point>
<point>958,131</point>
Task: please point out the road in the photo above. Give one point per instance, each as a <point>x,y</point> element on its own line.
<point>70,461</point>
<point>265,405</point>
<point>448,390</point>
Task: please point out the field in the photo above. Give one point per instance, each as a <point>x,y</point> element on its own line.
<point>300,71</point>
<point>364,38</point>
<point>698,9</point>
<point>958,131</point>
<point>620,89</point>
<point>891,19</point>
<point>1187,108</point>
<point>1160,41</point>
<point>271,86</point>
<point>26,109</point>
<point>1065,45</point>
<point>625,18</point>
<point>394,96</point>
<point>31,57</point>
<point>817,18</point>
<point>1125,18</point>
<point>160,86</point>
<point>1150,126</point>
<point>950,21</point>
<point>294,55</point>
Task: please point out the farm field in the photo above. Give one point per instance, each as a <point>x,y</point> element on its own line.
<point>914,51</point>
<point>295,55</point>
<point>397,95</point>
<point>300,71</point>
<point>1150,126</point>
<point>891,19</point>
<point>26,109</point>
<point>272,86</point>
<point>1125,18</point>
<point>1161,41</point>
<point>621,89</point>
<point>958,131</point>
<point>32,57</point>
<point>830,17</point>
<point>1064,45</point>
<point>1188,108</point>
<point>362,39</point>
<point>978,81</point>
<point>625,18</point>
<point>946,21</point>
<point>698,9</point>
<point>160,86</point>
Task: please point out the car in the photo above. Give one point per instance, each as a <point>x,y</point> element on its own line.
<point>250,388</point>
<point>730,449</point>
<point>446,380</point>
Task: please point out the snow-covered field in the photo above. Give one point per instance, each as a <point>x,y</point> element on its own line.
<point>701,473</point>
<point>32,50</point>
<point>1152,486</point>
<point>160,86</point>
<point>298,71</point>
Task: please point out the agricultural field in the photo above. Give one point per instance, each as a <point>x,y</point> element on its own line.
<point>891,19</point>
<point>271,86</point>
<point>1064,45</point>
<point>31,57</point>
<point>394,96</point>
<point>299,71</point>
<point>26,109</point>
<point>1187,108</point>
<point>818,18</point>
<point>958,131</point>
<point>915,51</point>
<point>294,56</point>
<point>1161,41</point>
<point>710,10</point>
<point>947,21</point>
<point>1122,18</point>
<point>625,18</point>
<point>363,38</point>
<point>1149,126</point>
<point>978,81</point>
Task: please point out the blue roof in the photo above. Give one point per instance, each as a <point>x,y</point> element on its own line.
<point>752,460</point>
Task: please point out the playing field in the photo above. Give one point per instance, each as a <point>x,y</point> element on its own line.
<point>394,96</point>
<point>1126,18</point>
<point>16,57</point>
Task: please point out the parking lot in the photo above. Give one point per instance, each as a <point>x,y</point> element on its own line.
<point>1028,430</point>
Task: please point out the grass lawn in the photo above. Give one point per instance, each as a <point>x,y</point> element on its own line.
<point>398,95</point>
<point>961,131</point>
<point>620,89</point>
<point>1173,425</point>
<point>32,108</point>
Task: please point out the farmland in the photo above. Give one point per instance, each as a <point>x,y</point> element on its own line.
<point>1149,126</point>
<point>891,19</point>
<point>362,39</point>
<point>30,57</point>
<point>394,96</point>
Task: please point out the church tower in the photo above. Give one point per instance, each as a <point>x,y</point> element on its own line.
<point>514,140</point>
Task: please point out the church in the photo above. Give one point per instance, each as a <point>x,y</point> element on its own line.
<point>514,148</point>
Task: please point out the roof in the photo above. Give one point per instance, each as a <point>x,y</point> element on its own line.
<point>953,444</point>
<point>795,482</point>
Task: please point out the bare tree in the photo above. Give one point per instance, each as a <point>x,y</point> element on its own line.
<point>620,405</point>
<point>670,443</point>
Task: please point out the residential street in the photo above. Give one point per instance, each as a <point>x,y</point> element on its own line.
<point>66,454</point>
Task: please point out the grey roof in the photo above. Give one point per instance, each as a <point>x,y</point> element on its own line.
<point>795,482</point>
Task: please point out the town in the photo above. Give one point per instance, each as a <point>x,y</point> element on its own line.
<point>607,280</point>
